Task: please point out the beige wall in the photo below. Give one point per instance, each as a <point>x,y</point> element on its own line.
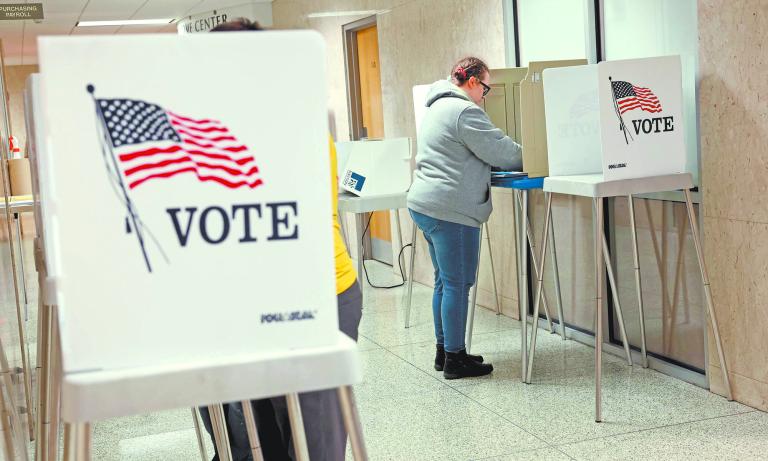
<point>734,151</point>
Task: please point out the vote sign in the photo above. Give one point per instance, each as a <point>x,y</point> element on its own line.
<point>641,117</point>
<point>190,212</point>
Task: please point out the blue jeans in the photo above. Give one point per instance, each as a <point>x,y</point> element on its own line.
<point>454,251</point>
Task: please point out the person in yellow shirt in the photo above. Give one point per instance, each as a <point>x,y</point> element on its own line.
<point>347,289</point>
<point>323,422</point>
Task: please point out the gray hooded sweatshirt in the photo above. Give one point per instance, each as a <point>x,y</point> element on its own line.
<point>457,146</point>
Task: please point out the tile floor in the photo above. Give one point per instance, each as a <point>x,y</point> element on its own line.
<point>409,412</point>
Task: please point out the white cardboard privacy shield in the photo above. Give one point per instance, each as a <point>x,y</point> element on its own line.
<point>641,107</point>
<point>420,93</point>
<point>640,114</point>
<point>35,143</point>
<point>343,149</point>
<point>175,157</point>
<point>573,120</point>
<point>376,167</point>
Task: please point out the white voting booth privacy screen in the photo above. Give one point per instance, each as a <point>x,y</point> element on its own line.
<point>572,111</point>
<point>619,118</point>
<point>185,219</point>
<point>375,167</point>
<point>420,93</point>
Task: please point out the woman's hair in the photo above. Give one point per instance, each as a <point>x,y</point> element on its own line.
<point>467,68</point>
<point>237,25</point>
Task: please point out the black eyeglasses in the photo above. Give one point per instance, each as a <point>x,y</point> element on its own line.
<point>486,88</point>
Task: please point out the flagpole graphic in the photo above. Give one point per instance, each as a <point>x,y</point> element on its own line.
<point>106,145</point>
<point>622,126</point>
<point>627,97</point>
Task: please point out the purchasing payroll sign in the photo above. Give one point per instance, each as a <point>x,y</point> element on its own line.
<point>641,117</point>
<point>192,212</point>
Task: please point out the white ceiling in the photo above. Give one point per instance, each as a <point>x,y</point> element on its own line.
<point>19,38</point>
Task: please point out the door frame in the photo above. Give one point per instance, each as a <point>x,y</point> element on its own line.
<point>352,70</point>
<point>355,113</point>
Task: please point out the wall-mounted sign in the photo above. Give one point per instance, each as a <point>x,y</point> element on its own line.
<point>261,12</point>
<point>21,11</point>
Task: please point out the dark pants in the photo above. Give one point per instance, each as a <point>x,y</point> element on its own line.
<point>323,422</point>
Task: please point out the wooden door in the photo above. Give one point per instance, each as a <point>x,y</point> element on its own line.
<point>373,122</point>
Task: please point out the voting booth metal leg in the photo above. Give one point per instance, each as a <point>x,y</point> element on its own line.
<point>539,289</point>
<point>68,442</point>
<point>54,386</point>
<point>534,260</point>
<point>77,442</point>
<point>615,293</point>
<point>359,226</point>
<point>521,208</point>
<point>12,426</point>
<point>679,271</point>
<point>352,423</point>
<point>17,218</point>
<point>8,443</point>
<point>599,236</point>
<point>471,313</point>
<point>616,302</point>
<point>219,429</point>
<point>299,437</point>
<point>638,283</point>
<point>42,429</point>
<point>399,239</point>
<point>253,433</point>
<point>26,371</point>
<point>493,269</point>
<point>409,296</point>
<point>708,293</point>
<point>199,434</point>
<point>556,277</point>
<point>83,441</point>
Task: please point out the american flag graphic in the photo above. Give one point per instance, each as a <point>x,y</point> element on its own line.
<point>629,97</point>
<point>151,142</point>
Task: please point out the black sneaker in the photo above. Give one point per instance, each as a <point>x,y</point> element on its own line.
<point>460,365</point>
<point>440,357</point>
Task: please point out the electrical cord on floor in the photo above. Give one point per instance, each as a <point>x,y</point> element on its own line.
<point>399,258</point>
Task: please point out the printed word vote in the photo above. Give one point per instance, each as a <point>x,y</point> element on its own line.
<point>215,224</point>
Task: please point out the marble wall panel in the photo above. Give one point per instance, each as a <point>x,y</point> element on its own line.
<point>733,37</point>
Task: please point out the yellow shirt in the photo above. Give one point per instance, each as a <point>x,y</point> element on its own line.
<point>345,272</point>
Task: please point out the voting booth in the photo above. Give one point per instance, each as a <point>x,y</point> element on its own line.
<point>534,126</point>
<point>186,273</point>
<point>515,104</point>
<point>621,119</point>
<point>615,129</point>
<point>375,167</point>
